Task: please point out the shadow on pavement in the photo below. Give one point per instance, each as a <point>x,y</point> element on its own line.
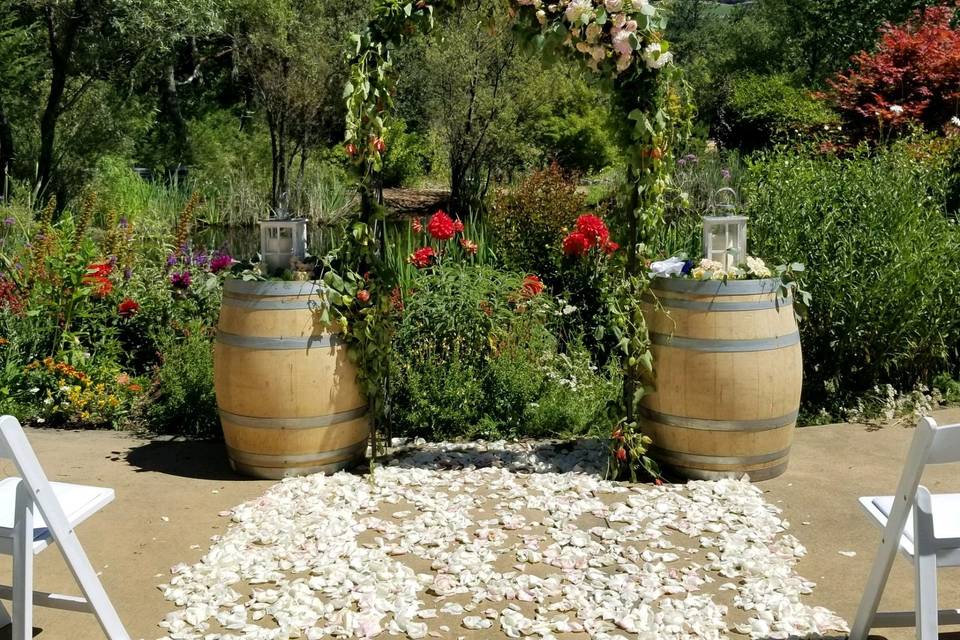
<point>202,459</point>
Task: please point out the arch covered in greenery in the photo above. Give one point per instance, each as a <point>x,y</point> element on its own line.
<point>621,42</point>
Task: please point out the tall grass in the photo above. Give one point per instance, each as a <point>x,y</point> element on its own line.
<point>882,257</point>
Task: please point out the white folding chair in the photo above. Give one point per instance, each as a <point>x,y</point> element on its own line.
<point>926,530</point>
<point>24,534</point>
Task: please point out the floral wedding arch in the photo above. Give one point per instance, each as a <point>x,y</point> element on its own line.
<point>621,42</point>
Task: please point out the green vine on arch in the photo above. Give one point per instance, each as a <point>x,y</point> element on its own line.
<point>621,41</point>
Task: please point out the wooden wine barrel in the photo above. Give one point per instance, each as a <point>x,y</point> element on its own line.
<point>288,395</point>
<point>728,374</point>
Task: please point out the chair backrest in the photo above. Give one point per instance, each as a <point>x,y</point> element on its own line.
<point>931,444</point>
<point>946,444</point>
<point>15,446</point>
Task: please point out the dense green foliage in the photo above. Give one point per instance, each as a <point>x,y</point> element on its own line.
<point>761,110</point>
<point>474,356</point>
<point>883,263</point>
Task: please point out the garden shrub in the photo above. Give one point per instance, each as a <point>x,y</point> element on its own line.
<point>407,158</point>
<point>182,401</point>
<point>763,109</point>
<point>913,76</point>
<point>882,258</point>
<point>474,356</point>
<point>529,221</point>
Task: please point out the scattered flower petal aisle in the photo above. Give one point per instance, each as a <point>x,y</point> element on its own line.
<point>479,541</point>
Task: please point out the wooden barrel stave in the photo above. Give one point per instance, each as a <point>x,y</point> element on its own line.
<point>289,399</point>
<point>729,370</point>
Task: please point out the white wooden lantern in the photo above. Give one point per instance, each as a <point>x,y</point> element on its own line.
<point>725,236</point>
<point>725,239</point>
<point>283,240</point>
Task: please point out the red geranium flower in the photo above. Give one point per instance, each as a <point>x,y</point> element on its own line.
<point>610,247</point>
<point>441,226</point>
<point>128,308</point>
<point>363,296</point>
<point>422,257</point>
<point>594,229</point>
<point>576,244</point>
<point>97,277</point>
<point>457,226</point>
<point>532,286</point>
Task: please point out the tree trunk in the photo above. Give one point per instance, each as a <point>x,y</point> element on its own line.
<point>7,151</point>
<point>61,47</point>
<point>171,114</point>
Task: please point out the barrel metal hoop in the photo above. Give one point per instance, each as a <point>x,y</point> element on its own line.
<point>717,287</point>
<point>278,344</point>
<point>725,346</point>
<point>279,473</point>
<point>270,288</point>
<point>681,459</point>
<point>756,475</point>
<point>715,305</point>
<point>278,460</point>
<point>701,424</point>
<point>294,423</point>
<point>271,305</point>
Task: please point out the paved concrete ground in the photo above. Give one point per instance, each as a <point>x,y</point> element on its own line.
<point>169,496</point>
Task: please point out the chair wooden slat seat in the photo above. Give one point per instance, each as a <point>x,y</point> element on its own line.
<point>78,502</point>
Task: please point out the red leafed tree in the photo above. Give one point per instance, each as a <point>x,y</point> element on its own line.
<point>912,77</point>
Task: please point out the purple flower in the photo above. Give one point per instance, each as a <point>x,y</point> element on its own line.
<point>681,162</point>
<point>725,173</point>
<point>123,223</point>
<point>220,261</point>
<point>180,280</point>
<point>127,274</point>
<point>200,259</point>
<point>691,158</point>
<point>687,266</point>
<point>171,260</point>
<point>9,221</point>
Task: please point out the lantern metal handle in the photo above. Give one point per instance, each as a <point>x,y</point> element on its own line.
<point>732,201</point>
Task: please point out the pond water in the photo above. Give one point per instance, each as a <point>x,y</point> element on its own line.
<point>243,242</point>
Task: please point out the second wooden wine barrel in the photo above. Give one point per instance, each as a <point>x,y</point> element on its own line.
<point>728,375</point>
<point>287,393</point>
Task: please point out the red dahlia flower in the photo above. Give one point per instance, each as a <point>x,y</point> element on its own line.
<point>576,244</point>
<point>421,258</point>
<point>532,286</point>
<point>128,308</point>
<point>594,229</point>
<point>441,226</point>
